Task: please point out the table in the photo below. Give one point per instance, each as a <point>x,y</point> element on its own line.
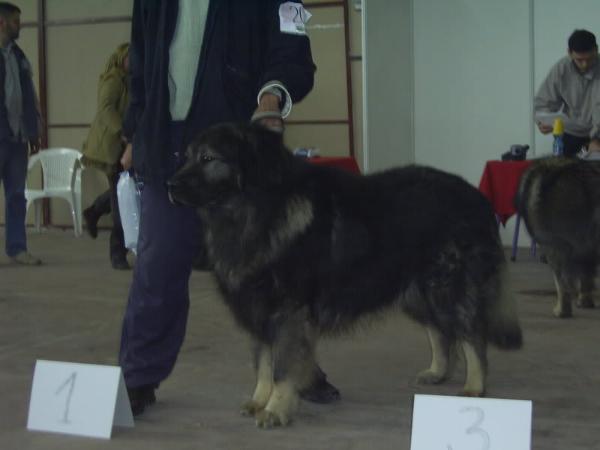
<point>499,183</point>
<point>342,162</point>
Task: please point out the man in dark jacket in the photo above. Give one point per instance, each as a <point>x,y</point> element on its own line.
<point>19,125</point>
<point>194,63</point>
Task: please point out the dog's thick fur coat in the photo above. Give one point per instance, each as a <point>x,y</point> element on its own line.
<point>559,200</point>
<point>302,251</point>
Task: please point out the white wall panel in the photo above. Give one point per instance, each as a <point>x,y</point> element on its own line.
<point>472,82</point>
<point>388,83</point>
<point>456,75</point>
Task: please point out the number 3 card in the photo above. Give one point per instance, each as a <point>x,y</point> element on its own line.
<point>464,423</point>
<point>81,399</point>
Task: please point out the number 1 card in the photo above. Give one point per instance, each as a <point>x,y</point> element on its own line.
<point>80,399</point>
<point>464,423</point>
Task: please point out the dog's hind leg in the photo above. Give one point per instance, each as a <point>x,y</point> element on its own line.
<point>585,297</point>
<point>565,280</point>
<point>293,354</point>
<point>263,363</point>
<point>475,351</point>
<point>440,358</point>
<point>564,292</point>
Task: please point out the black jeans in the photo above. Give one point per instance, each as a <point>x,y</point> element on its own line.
<point>104,204</point>
<point>13,173</point>
<point>573,144</point>
<point>117,239</point>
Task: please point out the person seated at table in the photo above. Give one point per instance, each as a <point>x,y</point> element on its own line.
<point>573,86</point>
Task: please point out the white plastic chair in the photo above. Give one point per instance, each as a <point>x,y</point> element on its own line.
<point>61,173</point>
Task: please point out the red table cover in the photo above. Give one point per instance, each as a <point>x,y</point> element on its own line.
<point>343,162</point>
<point>499,183</point>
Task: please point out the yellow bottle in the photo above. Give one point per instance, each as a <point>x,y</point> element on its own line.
<point>558,129</point>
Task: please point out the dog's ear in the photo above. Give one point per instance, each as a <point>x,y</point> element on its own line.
<point>265,160</point>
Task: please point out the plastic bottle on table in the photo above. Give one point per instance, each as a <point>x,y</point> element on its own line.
<point>306,152</point>
<point>558,130</point>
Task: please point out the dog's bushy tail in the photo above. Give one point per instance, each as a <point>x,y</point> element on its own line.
<point>503,329</point>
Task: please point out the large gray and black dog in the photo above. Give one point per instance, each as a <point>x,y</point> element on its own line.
<point>559,199</point>
<point>302,251</point>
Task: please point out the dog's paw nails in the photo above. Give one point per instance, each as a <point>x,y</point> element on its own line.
<point>250,408</point>
<point>270,419</point>
<point>430,377</point>
<point>585,302</point>
<point>562,313</point>
<point>472,393</point>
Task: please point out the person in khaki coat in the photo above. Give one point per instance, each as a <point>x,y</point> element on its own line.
<point>103,149</point>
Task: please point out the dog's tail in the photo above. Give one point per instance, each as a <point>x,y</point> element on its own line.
<point>503,329</point>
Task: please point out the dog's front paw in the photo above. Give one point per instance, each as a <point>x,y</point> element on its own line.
<point>271,419</point>
<point>430,377</point>
<point>562,312</point>
<point>251,408</point>
<point>472,393</point>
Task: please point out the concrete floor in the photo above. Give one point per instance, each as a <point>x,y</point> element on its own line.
<point>70,309</point>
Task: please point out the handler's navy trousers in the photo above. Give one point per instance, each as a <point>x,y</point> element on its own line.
<point>157,309</point>
<point>13,174</point>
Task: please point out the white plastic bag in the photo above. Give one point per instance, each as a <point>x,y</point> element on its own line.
<point>129,209</point>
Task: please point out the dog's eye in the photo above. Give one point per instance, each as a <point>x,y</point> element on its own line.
<point>206,158</point>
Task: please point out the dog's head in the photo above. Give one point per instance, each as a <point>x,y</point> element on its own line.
<point>228,160</point>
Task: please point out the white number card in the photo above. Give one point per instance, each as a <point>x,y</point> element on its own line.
<point>293,18</point>
<point>81,399</point>
<point>464,423</point>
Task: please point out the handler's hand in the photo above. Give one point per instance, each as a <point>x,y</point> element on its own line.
<point>544,129</point>
<point>269,103</point>
<point>594,146</point>
<point>34,146</point>
<point>127,158</point>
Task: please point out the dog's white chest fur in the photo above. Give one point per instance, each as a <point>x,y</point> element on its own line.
<point>296,217</point>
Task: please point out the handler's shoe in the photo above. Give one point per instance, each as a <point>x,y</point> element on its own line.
<point>119,262</point>
<point>140,397</point>
<point>26,259</point>
<point>321,391</point>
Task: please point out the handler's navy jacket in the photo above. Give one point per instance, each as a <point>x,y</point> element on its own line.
<point>243,48</point>
<point>31,117</point>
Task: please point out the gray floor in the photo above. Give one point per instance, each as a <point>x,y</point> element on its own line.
<point>70,309</point>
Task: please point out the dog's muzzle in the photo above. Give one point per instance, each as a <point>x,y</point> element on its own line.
<point>171,186</point>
